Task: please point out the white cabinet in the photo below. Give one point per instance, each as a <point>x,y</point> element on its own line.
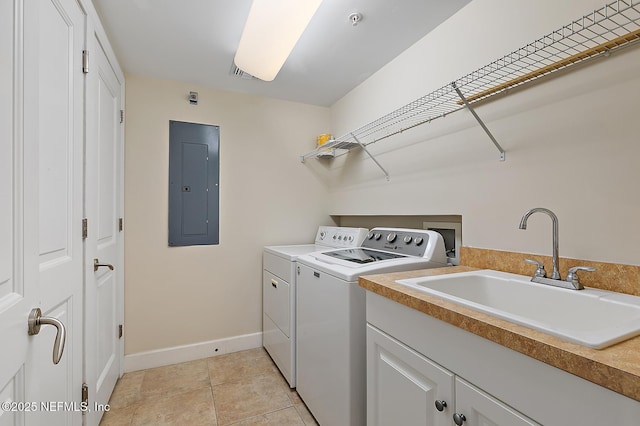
<point>414,359</point>
<point>404,387</point>
<point>480,408</point>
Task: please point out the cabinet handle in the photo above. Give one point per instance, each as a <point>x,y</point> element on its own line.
<point>274,283</point>
<point>459,419</point>
<point>441,405</point>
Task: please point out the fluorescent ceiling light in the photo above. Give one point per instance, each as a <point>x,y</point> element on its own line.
<point>272,29</point>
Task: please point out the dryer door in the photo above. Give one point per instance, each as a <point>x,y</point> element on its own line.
<point>275,297</point>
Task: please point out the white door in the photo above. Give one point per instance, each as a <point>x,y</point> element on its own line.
<point>41,189</point>
<point>480,408</point>
<point>53,134</point>
<point>404,387</point>
<point>103,297</point>
<point>17,291</point>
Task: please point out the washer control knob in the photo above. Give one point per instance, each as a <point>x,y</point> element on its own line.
<point>370,235</point>
<point>339,237</point>
<point>350,238</point>
<point>335,237</point>
<point>391,237</point>
<point>407,239</point>
<point>322,235</point>
<point>377,235</point>
<point>419,241</point>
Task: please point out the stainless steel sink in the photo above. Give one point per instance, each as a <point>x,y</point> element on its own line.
<point>590,317</point>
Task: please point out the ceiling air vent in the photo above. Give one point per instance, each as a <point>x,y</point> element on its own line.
<point>235,71</point>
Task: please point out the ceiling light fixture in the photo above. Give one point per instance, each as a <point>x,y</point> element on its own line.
<point>272,30</point>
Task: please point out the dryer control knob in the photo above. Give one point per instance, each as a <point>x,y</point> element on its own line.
<point>377,236</point>
<point>322,235</point>
<point>407,239</point>
<point>419,241</point>
<point>370,235</point>
<point>391,237</point>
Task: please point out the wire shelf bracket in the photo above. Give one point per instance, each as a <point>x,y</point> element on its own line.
<point>479,120</point>
<point>386,175</point>
<point>604,31</point>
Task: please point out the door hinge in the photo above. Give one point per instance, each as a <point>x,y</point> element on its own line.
<point>120,331</point>
<point>85,395</point>
<point>85,226</point>
<point>85,61</point>
<point>120,224</point>
<point>121,116</point>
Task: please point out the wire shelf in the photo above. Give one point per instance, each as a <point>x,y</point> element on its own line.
<point>607,29</point>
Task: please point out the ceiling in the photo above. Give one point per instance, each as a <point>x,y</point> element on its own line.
<point>195,41</point>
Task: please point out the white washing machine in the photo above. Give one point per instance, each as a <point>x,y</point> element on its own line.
<point>331,343</point>
<point>279,292</point>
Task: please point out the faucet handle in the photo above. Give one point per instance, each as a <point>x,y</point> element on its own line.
<point>540,272</point>
<point>572,276</point>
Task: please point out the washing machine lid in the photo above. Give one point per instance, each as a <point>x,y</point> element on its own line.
<point>350,270</point>
<point>292,252</point>
<point>362,256</point>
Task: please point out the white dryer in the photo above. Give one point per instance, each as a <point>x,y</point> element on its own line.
<point>279,292</point>
<point>331,365</point>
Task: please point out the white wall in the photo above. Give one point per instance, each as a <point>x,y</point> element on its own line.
<point>571,141</point>
<point>185,295</point>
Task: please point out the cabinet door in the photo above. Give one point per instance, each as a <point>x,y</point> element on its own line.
<point>481,409</point>
<point>403,386</point>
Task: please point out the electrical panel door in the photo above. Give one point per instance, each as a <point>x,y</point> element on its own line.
<point>193,183</point>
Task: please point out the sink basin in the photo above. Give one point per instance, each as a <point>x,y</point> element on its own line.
<point>589,317</point>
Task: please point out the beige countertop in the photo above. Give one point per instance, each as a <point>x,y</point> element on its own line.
<point>616,367</point>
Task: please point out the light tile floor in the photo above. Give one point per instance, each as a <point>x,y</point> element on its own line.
<point>241,388</point>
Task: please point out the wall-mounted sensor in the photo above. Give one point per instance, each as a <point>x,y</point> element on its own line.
<point>355,18</point>
<point>193,98</point>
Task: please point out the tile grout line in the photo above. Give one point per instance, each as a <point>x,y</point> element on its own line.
<point>213,399</point>
<point>136,405</point>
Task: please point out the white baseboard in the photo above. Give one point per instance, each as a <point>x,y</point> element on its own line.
<point>177,354</point>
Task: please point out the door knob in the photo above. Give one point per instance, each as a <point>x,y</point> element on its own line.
<point>36,320</point>
<point>97,264</point>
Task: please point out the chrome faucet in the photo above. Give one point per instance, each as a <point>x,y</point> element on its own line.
<point>555,275</point>
<point>540,276</point>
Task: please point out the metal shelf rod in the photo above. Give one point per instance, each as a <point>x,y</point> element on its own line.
<point>479,120</point>
<point>372,157</point>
